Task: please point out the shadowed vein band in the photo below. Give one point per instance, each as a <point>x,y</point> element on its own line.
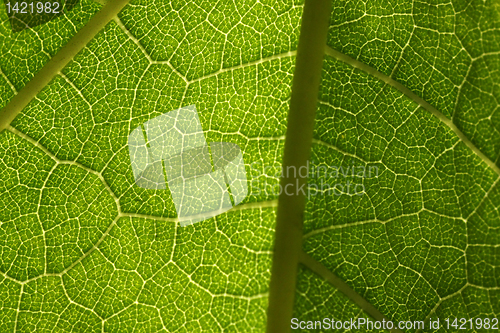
<point>414,97</point>
<point>59,61</point>
<point>298,142</point>
<point>335,281</point>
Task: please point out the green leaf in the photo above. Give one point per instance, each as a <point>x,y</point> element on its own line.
<point>409,91</point>
<point>411,96</point>
<point>26,52</point>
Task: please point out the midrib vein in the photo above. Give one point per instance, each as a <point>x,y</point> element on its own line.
<point>414,97</point>
<point>296,153</point>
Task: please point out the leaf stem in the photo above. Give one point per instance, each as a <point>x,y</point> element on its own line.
<point>291,203</point>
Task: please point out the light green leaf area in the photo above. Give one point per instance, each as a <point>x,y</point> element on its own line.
<point>83,249</point>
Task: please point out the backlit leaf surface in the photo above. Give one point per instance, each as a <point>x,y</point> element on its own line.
<point>83,249</point>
